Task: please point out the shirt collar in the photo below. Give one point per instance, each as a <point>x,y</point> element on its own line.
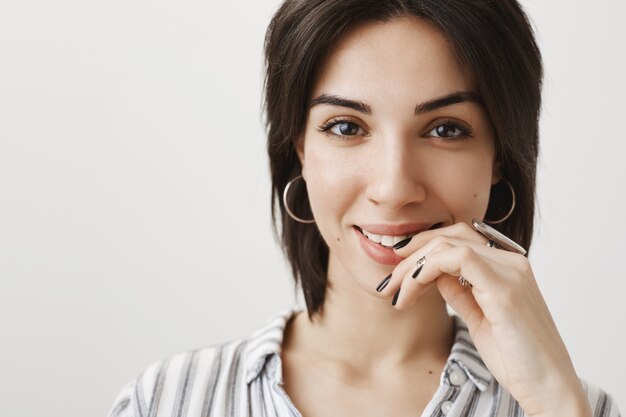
<point>264,347</point>
<point>265,344</point>
<point>466,356</point>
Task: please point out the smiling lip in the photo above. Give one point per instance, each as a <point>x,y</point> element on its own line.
<point>382,254</point>
<point>395,230</point>
<point>378,253</point>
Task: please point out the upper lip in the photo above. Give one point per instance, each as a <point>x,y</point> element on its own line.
<point>396,229</point>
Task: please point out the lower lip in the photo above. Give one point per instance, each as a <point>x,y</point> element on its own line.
<point>379,253</point>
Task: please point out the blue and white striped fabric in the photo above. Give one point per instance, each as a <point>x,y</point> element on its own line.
<point>243,378</point>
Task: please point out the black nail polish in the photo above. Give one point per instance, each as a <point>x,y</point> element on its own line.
<point>420,265</point>
<point>383,283</point>
<point>417,271</point>
<point>395,298</point>
<point>402,243</point>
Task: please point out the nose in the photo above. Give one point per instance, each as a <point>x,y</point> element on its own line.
<point>393,181</point>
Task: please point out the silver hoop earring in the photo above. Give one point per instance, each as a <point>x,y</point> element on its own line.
<point>289,212</point>
<point>510,210</point>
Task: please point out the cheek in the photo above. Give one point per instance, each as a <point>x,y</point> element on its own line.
<point>465,186</point>
<point>332,184</point>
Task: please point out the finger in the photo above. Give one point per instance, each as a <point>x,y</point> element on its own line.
<point>409,288</point>
<point>460,260</point>
<point>452,260</point>
<point>410,264</point>
<point>461,300</point>
<point>458,230</point>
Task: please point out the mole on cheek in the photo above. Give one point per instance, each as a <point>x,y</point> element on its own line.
<point>338,240</point>
<point>474,195</point>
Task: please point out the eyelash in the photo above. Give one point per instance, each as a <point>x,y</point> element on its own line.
<point>465,132</point>
<point>325,128</point>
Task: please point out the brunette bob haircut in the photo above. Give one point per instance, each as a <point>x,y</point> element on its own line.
<point>492,39</point>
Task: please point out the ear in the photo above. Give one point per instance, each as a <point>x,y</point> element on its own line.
<point>496,172</point>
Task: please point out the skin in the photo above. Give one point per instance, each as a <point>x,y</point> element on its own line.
<point>392,167</point>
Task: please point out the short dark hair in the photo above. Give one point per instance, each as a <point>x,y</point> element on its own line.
<point>493,38</point>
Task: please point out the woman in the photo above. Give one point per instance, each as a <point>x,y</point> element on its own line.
<point>392,125</point>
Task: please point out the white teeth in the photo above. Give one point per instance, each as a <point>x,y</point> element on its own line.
<point>373,237</point>
<point>397,239</point>
<point>387,241</point>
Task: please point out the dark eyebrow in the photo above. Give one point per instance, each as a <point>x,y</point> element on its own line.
<point>430,105</point>
<point>448,100</point>
<point>342,102</point>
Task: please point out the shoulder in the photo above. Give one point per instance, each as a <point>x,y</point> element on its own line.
<point>169,382</point>
<point>200,381</point>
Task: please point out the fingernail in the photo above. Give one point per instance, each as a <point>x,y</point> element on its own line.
<point>402,243</point>
<point>420,264</point>
<point>395,298</point>
<point>383,283</point>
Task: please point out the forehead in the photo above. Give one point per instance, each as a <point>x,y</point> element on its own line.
<point>406,58</point>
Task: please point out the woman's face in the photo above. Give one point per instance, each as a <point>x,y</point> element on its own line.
<point>394,143</point>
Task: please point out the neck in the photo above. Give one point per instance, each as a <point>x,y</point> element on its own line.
<point>366,332</point>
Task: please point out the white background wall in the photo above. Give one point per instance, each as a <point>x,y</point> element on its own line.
<point>134,190</point>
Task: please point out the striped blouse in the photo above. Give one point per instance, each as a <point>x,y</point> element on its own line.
<point>244,378</point>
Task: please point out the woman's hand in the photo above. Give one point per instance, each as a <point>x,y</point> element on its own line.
<point>505,312</point>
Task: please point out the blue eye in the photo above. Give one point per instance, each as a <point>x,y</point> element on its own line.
<point>341,127</point>
<point>447,129</point>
